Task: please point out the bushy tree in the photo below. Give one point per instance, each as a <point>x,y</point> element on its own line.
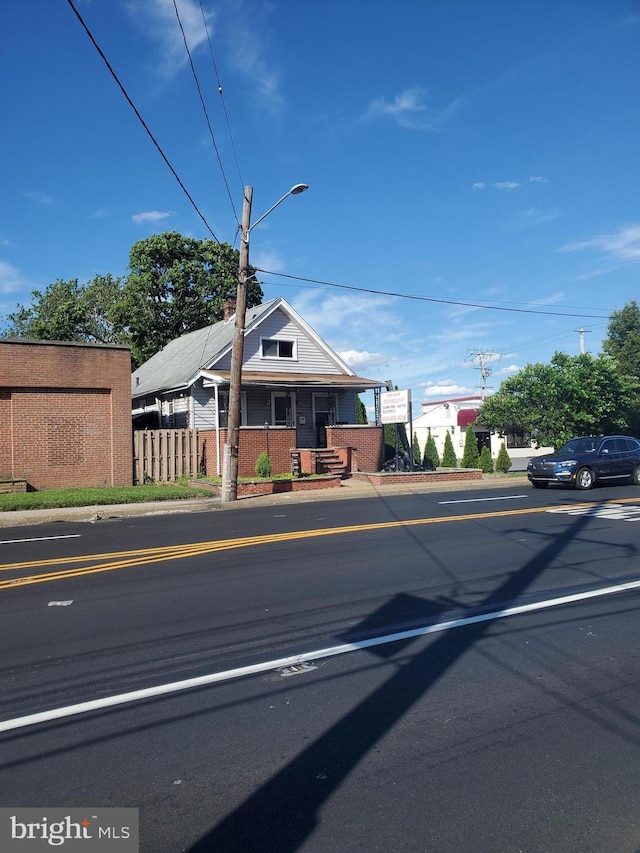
<point>263,465</point>
<point>486,462</point>
<point>415,448</point>
<point>431,451</point>
<point>70,311</point>
<point>361,411</point>
<point>470,454</point>
<point>449,459</point>
<point>503,462</point>
<point>572,395</point>
<point>176,285</point>
<point>623,339</point>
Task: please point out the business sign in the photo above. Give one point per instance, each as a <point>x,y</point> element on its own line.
<point>395,407</point>
<point>82,830</point>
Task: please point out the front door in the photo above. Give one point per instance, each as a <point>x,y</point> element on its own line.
<point>323,415</point>
<point>282,409</point>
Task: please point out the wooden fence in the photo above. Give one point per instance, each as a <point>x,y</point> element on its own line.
<point>164,455</point>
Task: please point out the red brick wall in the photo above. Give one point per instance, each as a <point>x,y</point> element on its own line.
<point>367,443</point>
<point>65,414</point>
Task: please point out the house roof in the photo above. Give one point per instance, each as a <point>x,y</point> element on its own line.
<point>182,361</point>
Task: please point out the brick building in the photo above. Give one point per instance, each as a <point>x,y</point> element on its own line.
<point>65,414</point>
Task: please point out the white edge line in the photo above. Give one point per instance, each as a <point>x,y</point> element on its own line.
<point>482,500</point>
<point>41,538</point>
<point>331,651</point>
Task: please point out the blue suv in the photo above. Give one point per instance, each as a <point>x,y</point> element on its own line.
<point>583,462</point>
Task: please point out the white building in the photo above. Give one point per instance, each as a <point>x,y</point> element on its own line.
<point>455,416</point>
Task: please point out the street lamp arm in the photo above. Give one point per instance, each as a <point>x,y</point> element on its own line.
<point>295,190</point>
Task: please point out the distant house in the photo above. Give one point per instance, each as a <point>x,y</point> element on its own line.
<point>298,397</point>
<point>458,414</point>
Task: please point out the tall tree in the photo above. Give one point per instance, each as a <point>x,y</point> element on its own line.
<point>572,395</point>
<point>176,285</point>
<point>470,454</point>
<point>623,339</point>
<point>69,311</point>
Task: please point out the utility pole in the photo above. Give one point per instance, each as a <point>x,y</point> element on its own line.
<point>581,333</point>
<point>484,359</point>
<point>229,491</point>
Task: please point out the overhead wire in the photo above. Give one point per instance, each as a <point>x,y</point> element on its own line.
<point>141,120</point>
<point>220,92</point>
<point>206,114</point>
<point>457,302</point>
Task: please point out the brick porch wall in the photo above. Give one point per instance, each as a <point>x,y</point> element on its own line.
<point>65,414</point>
<point>366,444</point>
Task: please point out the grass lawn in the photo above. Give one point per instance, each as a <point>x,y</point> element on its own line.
<point>53,498</point>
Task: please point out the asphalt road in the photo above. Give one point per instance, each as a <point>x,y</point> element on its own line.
<point>492,732</point>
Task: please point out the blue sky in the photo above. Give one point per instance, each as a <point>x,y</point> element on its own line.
<point>464,154</point>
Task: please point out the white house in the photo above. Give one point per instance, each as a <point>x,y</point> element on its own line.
<point>455,416</point>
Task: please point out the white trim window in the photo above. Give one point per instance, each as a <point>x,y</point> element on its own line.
<point>278,348</point>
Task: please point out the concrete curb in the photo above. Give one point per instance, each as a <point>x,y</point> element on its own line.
<point>349,489</point>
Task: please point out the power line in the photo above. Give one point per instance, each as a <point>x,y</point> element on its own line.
<point>141,120</point>
<point>457,302</point>
<point>224,106</point>
<point>206,114</point>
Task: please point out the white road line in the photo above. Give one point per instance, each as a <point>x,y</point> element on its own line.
<point>293,660</point>
<point>480,500</point>
<point>40,539</point>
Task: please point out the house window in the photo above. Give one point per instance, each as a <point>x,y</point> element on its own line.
<point>278,348</point>
<point>283,409</point>
<point>517,438</point>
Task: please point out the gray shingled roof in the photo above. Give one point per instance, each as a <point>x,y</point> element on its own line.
<point>176,365</point>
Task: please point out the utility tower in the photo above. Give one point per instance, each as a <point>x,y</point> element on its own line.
<point>581,332</point>
<point>482,360</point>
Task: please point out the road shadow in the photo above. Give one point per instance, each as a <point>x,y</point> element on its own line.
<point>284,812</point>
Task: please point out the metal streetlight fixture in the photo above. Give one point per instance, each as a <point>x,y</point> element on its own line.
<point>229,491</point>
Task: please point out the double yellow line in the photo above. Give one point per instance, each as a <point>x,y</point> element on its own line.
<point>114,560</point>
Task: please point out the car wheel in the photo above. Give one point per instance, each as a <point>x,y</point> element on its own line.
<point>635,477</point>
<point>544,485</point>
<point>584,478</point>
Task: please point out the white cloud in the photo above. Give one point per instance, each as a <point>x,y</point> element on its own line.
<point>41,199</point>
<point>362,359</point>
<point>11,280</point>
<point>157,19</point>
<point>409,110</point>
<point>507,186</point>
<point>479,185</point>
<point>150,216</point>
<point>447,389</point>
<point>623,245</point>
<point>537,179</point>
<point>508,371</point>
<point>533,216</point>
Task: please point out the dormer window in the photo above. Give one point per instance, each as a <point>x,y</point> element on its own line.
<point>278,348</point>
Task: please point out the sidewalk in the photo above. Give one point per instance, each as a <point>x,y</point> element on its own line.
<point>351,488</point>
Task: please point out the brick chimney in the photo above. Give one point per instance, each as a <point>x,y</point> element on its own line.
<point>229,307</point>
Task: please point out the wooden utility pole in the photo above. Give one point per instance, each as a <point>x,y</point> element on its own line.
<point>229,491</point>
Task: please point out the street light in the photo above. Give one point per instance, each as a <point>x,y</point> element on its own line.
<point>229,491</point>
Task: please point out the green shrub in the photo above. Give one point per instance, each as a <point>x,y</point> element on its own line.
<point>503,462</point>
<point>449,459</point>
<point>470,456</point>
<point>486,462</point>
<point>416,449</point>
<point>431,451</point>
<point>263,465</point>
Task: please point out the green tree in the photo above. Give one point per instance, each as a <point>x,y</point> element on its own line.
<point>470,454</point>
<point>431,451</point>
<point>486,462</point>
<point>69,311</point>
<point>572,395</point>
<point>361,411</point>
<point>503,462</point>
<point>449,459</point>
<point>176,285</point>
<point>623,339</point>
<point>415,448</point>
